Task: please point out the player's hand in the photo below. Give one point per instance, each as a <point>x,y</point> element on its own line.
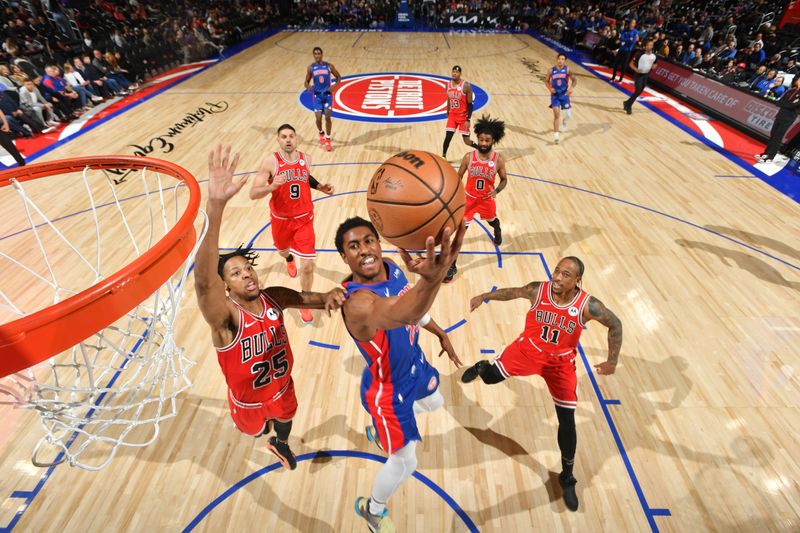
<point>334,299</point>
<point>569,92</point>
<point>434,267</point>
<point>276,182</point>
<point>327,188</point>
<point>552,91</point>
<point>221,185</point>
<point>490,194</point>
<point>475,302</point>
<point>605,368</point>
<point>447,347</point>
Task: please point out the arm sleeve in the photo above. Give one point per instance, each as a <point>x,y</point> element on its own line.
<point>312,181</point>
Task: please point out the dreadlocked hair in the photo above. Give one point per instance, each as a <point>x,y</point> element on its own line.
<point>492,126</point>
<point>242,251</point>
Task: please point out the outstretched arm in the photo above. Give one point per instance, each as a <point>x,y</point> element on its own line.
<point>209,287</point>
<point>288,298</point>
<point>444,340</point>
<point>595,310</point>
<point>366,312</point>
<point>502,295</point>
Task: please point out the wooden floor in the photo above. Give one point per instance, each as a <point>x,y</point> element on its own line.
<point>701,270</point>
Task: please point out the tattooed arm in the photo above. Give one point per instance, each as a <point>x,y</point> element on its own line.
<point>510,293</point>
<point>595,310</point>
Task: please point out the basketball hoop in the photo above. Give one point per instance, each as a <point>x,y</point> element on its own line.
<point>94,353</point>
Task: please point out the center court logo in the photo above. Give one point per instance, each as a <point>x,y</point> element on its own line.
<point>393,97</point>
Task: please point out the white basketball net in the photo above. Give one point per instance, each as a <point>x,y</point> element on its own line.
<point>114,388</point>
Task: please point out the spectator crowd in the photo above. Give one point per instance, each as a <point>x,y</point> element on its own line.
<point>59,59</point>
<point>735,42</point>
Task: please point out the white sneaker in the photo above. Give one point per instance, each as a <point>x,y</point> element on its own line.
<point>49,129</point>
<point>564,125</point>
<point>556,138</point>
<point>96,99</point>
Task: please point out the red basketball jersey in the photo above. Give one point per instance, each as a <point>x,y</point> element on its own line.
<point>552,328</point>
<point>481,174</point>
<point>457,98</point>
<point>293,198</point>
<point>258,362</point>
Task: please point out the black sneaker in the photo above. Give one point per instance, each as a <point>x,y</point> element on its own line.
<point>451,272</point>
<point>498,236</point>
<point>627,108</point>
<point>472,372</point>
<point>284,453</point>
<point>568,488</point>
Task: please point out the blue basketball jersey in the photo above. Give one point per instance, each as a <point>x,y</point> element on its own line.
<point>558,79</point>
<point>394,357</point>
<point>397,373</point>
<point>321,76</point>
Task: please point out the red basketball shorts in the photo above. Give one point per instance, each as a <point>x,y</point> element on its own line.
<point>457,123</point>
<point>485,208</point>
<point>251,418</point>
<point>295,234</point>
<point>521,358</point>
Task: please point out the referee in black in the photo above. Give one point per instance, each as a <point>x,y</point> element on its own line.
<point>641,64</point>
<point>788,106</point>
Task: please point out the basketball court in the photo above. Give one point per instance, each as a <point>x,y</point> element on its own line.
<point>700,259</point>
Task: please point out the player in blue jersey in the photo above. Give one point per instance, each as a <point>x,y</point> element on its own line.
<point>383,314</point>
<point>318,81</point>
<point>560,81</point>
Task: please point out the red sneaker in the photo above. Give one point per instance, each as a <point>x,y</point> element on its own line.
<point>328,146</point>
<point>291,269</point>
<point>322,139</point>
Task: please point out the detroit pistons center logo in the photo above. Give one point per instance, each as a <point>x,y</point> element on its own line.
<point>393,97</point>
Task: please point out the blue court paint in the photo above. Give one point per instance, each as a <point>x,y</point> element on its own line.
<point>445,40</point>
<point>456,325</point>
<point>782,181</point>
<point>750,176</point>
<point>648,511</point>
<point>612,402</point>
<point>323,345</point>
<point>491,239</point>
<point>350,454</point>
<point>494,288</point>
<point>487,351</point>
<point>356,41</point>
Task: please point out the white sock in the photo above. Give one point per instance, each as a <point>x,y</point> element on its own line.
<point>398,468</point>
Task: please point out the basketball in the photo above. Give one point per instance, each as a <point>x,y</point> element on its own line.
<point>413,195</point>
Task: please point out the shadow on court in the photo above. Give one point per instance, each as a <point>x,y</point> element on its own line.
<point>744,261</point>
<point>759,241</point>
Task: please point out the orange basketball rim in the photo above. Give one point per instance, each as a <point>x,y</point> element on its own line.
<point>34,338</point>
